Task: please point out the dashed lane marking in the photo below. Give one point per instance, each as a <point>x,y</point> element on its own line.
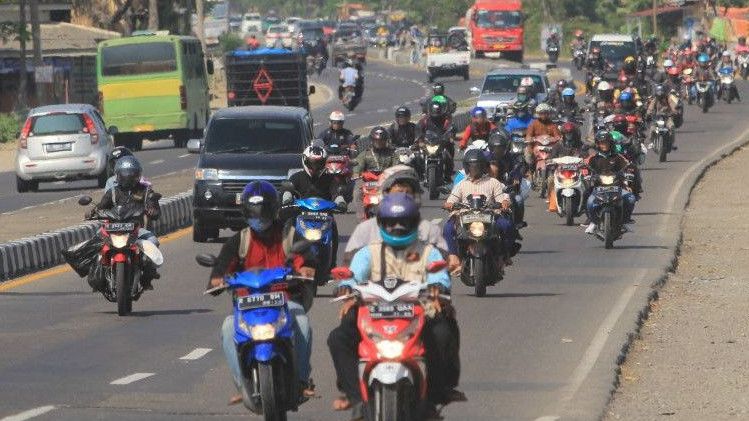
<point>382,110</point>
<point>31,413</point>
<point>156,162</point>
<point>131,378</point>
<point>185,155</point>
<point>197,353</point>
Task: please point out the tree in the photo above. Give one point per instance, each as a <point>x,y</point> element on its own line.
<point>21,104</point>
<point>36,36</point>
<point>200,12</point>
<point>153,15</point>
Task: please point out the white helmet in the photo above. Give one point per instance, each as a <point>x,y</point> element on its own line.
<point>337,116</point>
<point>544,108</point>
<point>526,81</point>
<point>313,159</point>
<point>726,53</point>
<point>478,144</point>
<point>668,63</point>
<point>604,86</point>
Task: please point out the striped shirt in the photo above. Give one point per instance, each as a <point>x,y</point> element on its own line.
<point>490,187</point>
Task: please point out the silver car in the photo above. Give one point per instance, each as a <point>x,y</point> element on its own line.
<point>63,142</point>
<point>499,90</point>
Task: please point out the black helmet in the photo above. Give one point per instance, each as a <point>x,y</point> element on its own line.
<point>438,89</point>
<point>117,153</point>
<point>379,137</point>
<point>128,172</point>
<point>659,91</point>
<point>403,111</point>
<point>475,163</point>
<point>499,137</point>
<point>604,136</point>
<point>260,205</point>
<point>436,109</point>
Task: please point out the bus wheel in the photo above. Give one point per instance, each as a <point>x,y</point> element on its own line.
<point>181,138</point>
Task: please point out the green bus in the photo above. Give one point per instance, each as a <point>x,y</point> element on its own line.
<point>153,86</point>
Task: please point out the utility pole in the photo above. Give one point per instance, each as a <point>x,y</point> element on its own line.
<point>199,29</point>
<point>36,36</point>
<point>153,15</point>
<point>655,17</point>
<point>22,102</point>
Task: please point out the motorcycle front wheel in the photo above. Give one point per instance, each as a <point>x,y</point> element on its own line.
<point>608,231</point>
<point>478,273</point>
<point>269,394</point>
<point>662,148</point>
<point>569,212</point>
<point>122,283</point>
<point>395,402</point>
<point>434,192</point>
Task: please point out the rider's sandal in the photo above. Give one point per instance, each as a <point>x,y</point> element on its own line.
<point>235,399</point>
<point>341,404</point>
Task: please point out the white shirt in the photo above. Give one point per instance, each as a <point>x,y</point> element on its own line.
<point>349,75</point>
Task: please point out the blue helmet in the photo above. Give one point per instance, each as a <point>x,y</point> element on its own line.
<point>260,205</point>
<point>398,219</point>
<point>568,92</point>
<point>703,58</point>
<point>625,96</point>
<point>477,112</point>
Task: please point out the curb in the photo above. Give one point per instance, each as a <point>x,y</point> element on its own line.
<point>32,254</point>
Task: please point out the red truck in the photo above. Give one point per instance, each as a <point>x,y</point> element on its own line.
<point>496,26</point>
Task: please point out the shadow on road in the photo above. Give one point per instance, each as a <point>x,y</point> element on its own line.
<point>518,294</point>
<point>642,247</point>
<point>181,312</point>
<point>44,294</point>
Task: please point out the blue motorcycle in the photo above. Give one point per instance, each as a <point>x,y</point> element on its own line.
<point>315,224</point>
<point>263,334</point>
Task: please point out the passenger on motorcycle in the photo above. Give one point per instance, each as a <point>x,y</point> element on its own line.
<point>579,41</point>
<point>400,253</point>
<point>508,169</point>
<point>555,95</point>
<point>263,244</point>
<point>396,179</point>
<point>336,134</point>
<point>478,181</point>
<point>402,131</point>
<point>661,104</point>
<point>541,126</point>
<point>607,162</point>
<point>377,157</point>
<point>439,121</point>
<point>348,78</point>
<point>438,90</point>
<point>130,189</point>
<point>478,129</point>
<point>595,63</point>
<point>626,103</point>
<point>521,118</point>
<point>569,107</point>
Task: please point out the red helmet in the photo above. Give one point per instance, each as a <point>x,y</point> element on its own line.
<point>673,71</point>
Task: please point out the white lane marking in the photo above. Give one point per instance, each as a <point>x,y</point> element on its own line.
<point>196,354</point>
<point>57,183</point>
<point>185,155</point>
<point>599,340</point>
<point>382,110</point>
<point>350,114</point>
<point>158,161</point>
<point>31,413</point>
<point>317,124</point>
<point>132,378</point>
<point>548,418</point>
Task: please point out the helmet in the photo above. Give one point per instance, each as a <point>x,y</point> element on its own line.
<point>499,137</point>
<point>313,159</point>
<point>437,109</point>
<point>742,40</point>
<point>398,219</point>
<point>117,153</point>
<point>520,107</point>
<point>260,205</point>
<point>568,93</point>
<point>604,86</point>
<point>595,51</point>
<point>659,91</point>
<point>128,171</point>
<point>673,72</point>
<point>668,63</point>
<point>625,99</point>
<point>703,58</point>
<point>402,112</point>
<point>623,81</point>
<point>544,108</point>
<point>475,163</point>
<point>603,136</point>
<point>438,89</point>
<point>620,122</point>
<point>478,112</point>
<point>570,135</point>
<point>379,137</point>
<point>526,81</point>
<point>629,61</point>
<point>400,174</point>
<point>726,54</point>
<point>337,116</point>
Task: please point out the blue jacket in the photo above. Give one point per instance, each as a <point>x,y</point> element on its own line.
<point>516,123</point>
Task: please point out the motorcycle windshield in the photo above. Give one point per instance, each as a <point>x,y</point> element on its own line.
<point>259,278</point>
<point>315,204</point>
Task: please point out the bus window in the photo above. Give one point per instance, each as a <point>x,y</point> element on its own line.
<point>138,59</point>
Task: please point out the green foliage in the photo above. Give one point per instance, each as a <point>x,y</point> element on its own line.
<point>9,127</point>
<point>230,42</point>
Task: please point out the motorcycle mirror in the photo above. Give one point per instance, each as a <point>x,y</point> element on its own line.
<point>206,260</point>
<point>436,266</point>
<point>156,196</point>
<point>341,273</point>
<point>311,89</point>
<point>85,200</point>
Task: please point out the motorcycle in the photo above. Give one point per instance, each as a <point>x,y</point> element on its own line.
<point>608,193</point>
<point>727,87</point>
<point>678,117</point>
<point>687,83</point>
<point>119,267</point>
<point>542,146</point>
<point>517,146</point>
<point>392,368</point>
<point>370,192</point>
<point>661,137</point>
<point>704,95</point>
<point>339,166</point>
<point>349,98</point>
<point>743,62</point>
<point>552,50</point>
<point>434,151</point>
<point>477,238</point>
<point>263,334</point>
<point>578,58</point>
<point>569,187</point>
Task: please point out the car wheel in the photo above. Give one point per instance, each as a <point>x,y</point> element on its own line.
<point>22,186</point>
<point>198,232</point>
<point>137,143</point>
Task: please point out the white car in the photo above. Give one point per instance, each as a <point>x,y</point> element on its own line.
<point>251,23</point>
<point>276,32</point>
<point>292,24</point>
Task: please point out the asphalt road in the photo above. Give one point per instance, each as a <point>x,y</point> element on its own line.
<point>543,343</point>
<point>386,88</point>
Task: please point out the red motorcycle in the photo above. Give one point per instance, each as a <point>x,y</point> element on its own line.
<point>339,166</point>
<point>392,370</point>
<point>542,146</point>
<point>370,192</point>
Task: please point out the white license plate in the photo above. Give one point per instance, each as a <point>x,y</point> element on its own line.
<point>238,199</point>
<point>59,147</point>
<point>391,311</point>
<point>273,299</point>
<point>120,227</point>
<point>482,217</point>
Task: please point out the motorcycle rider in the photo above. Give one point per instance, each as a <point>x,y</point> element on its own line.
<point>703,73</point>
<point>508,169</point>
<point>438,91</point>
<point>377,157</point>
<point>336,134</point>
<point>321,48</point>
<point>726,61</point>
<point>650,48</point>
<point>438,121</point>
<point>263,244</point>
<point>478,129</point>
<point>541,126</point>
<point>626,85</point>
<point>114,156</point>
<point>578,43</point>
<point>605,93</point>
<point>741,46</point>
<point>555,95</point>
<point>129,189</point>
<point>568,108</point>
<point>627,103</point>
<point>661,104</point>
<point>399,253</point>
<point>606,162</point>
<point>348,78</point>
<point>478,181</point>
<point>402,131</point>
<point>521,118</point>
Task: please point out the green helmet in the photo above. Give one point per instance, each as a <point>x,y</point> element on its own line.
<point>440,99</point>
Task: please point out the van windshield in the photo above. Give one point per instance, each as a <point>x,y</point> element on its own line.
<point>138,59</point>
<point>498,19</point>
<point>501,84</point>
<point>615,50</point>
<point>246,135</point>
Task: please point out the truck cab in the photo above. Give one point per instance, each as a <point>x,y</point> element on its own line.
<point>496,26</point>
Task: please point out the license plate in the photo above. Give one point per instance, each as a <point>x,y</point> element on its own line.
<point>59,147</point>
<point>609,189</point>
<point>480,217</point>
<point>498,46</point>
<point>273,299</point>
<point>120,227</point>
<point>391,311</point>
<point>238,199</point>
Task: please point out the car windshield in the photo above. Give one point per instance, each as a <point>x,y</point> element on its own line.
<point>62,123</point>
<point>615,50</point>
<point>311,35</point>
<point>277,29</point>
<point>347,33</point>
<point>498,19</point>
<point>246,135</point>
<point>500,84</point>
<point>138,59</point>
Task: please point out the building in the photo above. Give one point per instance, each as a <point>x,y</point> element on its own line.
<point>49,11</point>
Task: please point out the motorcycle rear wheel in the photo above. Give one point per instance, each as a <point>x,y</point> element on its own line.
<point>662,148</point>
<point>122,283</point>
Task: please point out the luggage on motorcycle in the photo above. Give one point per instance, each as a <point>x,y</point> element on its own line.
<point>83,255</point>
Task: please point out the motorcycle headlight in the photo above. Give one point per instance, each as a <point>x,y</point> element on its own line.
<point>374,200</point>
<point>264,332</point>
<point>432,149</point>
<point>313,234</point>
<point>607,180</point>
<point>119,240</point>
<point>390,349</point>
<point>476,229</point>
<point>567,182</point>
<point>404,159</point>
<point>660,123</point>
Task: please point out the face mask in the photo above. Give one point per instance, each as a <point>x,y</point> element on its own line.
<point>259,224</point>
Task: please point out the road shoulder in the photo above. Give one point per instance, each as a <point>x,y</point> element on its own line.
<point>691,358</point>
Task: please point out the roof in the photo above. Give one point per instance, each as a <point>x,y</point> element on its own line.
<point>658,11</point>
<point>147,38</point>
<point>260,111</point>
<point>62,39</point>
<point>56,108</point>
<point>612,38</point>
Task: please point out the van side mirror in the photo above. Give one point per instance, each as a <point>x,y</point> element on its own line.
<point>209,66</point>
<point>194,145</point>
<point>311,89</point>
<point>113,130</point>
